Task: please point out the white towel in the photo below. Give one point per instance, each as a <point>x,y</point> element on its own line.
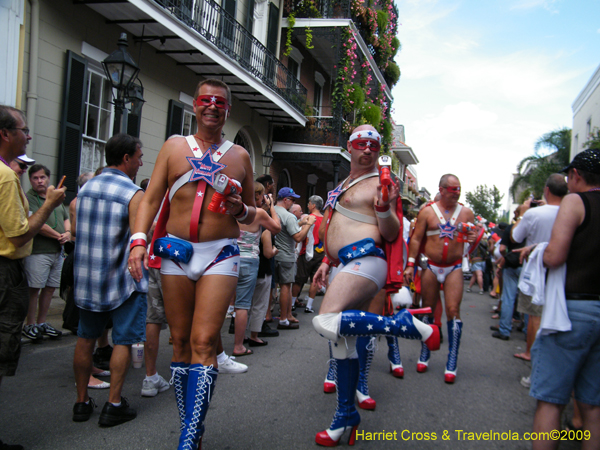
<point>555,316</point>
<point>532,281</point>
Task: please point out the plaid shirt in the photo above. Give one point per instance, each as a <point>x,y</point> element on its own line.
<point>102,280</point>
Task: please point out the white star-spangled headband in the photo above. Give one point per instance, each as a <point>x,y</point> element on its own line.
<point>365,134</point>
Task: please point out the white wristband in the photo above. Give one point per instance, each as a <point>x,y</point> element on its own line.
<point>383,214</point>
<point>139,236</point>
<point>242,215</point>
<point>412,260</point>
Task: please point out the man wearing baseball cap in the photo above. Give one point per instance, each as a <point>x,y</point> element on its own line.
<point>20,164</point>
<point>292,231</point>
<point>565,352</point>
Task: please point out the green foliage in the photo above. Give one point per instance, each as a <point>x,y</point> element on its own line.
<point>372,114</point>
<point>392,73</point>
<point>535,169</point>
<point>386,134</point>
<point>309,38</point>
<point>290,30</point>
<point>382,20</point>
<point>357,95</point>
<point>594,142</point>
<point>304,9</point>
<point>396,45</point>
<point>485,202</point>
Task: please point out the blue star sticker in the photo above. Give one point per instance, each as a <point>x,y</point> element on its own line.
<point>204,168</point>
<point>332,197</point>
<point>447,230</point>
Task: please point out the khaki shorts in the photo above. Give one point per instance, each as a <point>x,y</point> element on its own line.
<point>44,269</point>
<point>156,304</point>
<point>526,307</point>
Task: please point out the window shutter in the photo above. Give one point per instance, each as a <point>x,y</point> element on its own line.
<point>72,117</point>
<point>174,118</point>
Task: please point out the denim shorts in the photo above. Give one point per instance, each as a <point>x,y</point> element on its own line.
<point>480,265</point>
<point>563,362</point>
<point>246,282</point>
<point>129,321</point>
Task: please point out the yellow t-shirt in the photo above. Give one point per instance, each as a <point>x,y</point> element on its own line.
<point>13,214</point>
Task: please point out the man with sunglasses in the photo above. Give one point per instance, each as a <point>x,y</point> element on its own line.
<point>20,164</point>
<point>17,230</point>
<point>436,236</point>
<point>358,220</point>
<point>197,292</point>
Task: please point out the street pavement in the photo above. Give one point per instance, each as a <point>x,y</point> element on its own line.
<point>279,403</point>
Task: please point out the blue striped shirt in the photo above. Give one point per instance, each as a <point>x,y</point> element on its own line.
<point>102,280</point>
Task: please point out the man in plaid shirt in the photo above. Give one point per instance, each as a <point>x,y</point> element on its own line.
<point>104,290</point>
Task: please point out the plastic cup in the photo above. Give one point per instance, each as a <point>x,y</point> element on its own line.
<point>137,355</point>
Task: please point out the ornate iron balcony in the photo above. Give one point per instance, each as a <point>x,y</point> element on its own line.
<point>328,9</point>
<point>218,27</point>
<point>319,130</point>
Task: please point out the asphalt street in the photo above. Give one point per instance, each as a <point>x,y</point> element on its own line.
<point>279,403</point>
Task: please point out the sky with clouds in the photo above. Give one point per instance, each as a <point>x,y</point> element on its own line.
<point>483,80</point>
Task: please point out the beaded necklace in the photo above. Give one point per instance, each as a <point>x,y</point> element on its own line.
<point>4,161</point>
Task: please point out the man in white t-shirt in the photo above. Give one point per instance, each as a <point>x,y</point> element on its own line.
<point>535,226</point>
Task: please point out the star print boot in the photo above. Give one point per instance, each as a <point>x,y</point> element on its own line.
<point>402,324</point>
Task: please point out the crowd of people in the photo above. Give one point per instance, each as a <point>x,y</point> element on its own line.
<point>142,258</point>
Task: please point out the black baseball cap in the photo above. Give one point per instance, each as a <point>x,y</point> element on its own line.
<point>588,160</point>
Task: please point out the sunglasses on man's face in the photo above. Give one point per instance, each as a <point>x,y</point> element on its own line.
<point>23,166</point>
<point>453,189</point>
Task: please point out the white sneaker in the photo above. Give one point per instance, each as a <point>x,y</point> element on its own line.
<point>150,388</point>
<point>230,366</point>
<point>526,382</point>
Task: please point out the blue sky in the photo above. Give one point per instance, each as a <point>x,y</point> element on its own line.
<point>482,80</point>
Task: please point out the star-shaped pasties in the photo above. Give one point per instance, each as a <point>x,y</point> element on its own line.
<point>332,197</point>
<point>204,168</point>
<point>447,230</point>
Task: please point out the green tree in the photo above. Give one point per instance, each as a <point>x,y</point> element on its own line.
<point>552,152</point>
<point>594,142</point>
<point>485,202</point>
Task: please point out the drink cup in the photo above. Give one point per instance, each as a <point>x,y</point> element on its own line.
<point>137,355</point>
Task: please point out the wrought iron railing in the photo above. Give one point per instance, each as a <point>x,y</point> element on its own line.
<point>328,9</point>
<point>218,27</point>
<point>319,130</point>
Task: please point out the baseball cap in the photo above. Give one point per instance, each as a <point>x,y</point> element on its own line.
<point>287,192</point>
<point>27,160</point>
<point>588,160</point>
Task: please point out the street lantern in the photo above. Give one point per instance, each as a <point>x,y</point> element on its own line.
<point>121,70</point>
<point>135,98</point>
<point>267,156</point>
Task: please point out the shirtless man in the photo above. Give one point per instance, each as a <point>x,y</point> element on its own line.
<point>435,236</point>
<point>355,232</point>
<point>197,293</point>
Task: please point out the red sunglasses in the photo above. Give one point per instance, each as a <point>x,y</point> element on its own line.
<point>363,144</point>
<point>208,100</point>
<point>453,189</point>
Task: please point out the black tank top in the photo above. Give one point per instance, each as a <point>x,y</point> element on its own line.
<point>583,262</point>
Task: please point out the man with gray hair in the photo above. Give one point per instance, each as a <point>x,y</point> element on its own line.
<point>310,257</point>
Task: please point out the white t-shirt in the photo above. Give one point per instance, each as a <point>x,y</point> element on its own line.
<point>536,225</point>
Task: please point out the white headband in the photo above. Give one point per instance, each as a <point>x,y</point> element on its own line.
<point>365,134</point>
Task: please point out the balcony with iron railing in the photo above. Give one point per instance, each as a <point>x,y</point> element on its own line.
<point>319,130</point>
<point>327,9</point>
<point>219,28</point>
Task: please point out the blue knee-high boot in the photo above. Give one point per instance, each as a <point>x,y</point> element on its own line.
<point>329,384</point>
<point>394,357</point>
<point>201,384</point>
<point>346,416</point>
<point>365,347</point>
<point>454,333</point>
<point>402,324</point>
<point>425,352</point>
<point>179,378</point>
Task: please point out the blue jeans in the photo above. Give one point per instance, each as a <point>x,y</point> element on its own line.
<point>510,281</point>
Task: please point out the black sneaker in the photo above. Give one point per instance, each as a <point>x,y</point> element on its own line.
<point>33,332</point>
<point>112,415</point>
<point>82,411</point>
<point>266,331</point>
<point>49,330</point>
<point>102,357</point>
<point>308,310</point>
<point>4,446</point>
